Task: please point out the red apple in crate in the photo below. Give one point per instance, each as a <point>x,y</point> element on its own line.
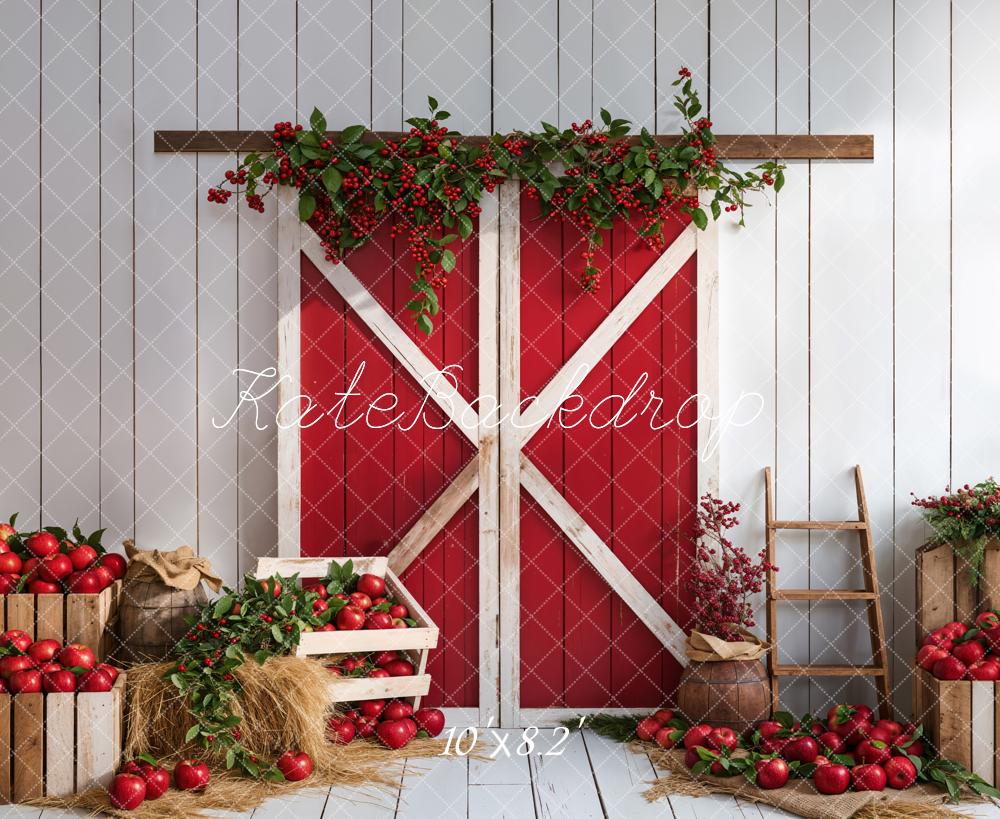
<point>832,779</point>
<point>969,652</point>
<point>891,727</point>
<point>940,638</point>
<point>366,726</point>
<point>394,734</point>
<point>832,742</point>
<point>397,611</point>
<point>8,582</point>
<point>191,775</point>
<point>55,568</point>
<point>43,650</point>
<point>909,745</point>
<point>868,778</point>
<point>378,620</point>
<point>379,674</point>
<point>319,606</point>
<point>317,588</point>
<point>984,670</point>
<point>801,749</point>
<point>13,663</point>
<point>103,573</point>
<point>900,773</point>
<point>350,618</point>
<point>400,668</point>
<point>872,752</point>
<point>85,582</point>
<point>928,655</point>
<point>114,563</point>
<point>82,556</point>
<point>94,682</point>
<point>127,791</point>
<point>719,738</point>
<point>41,587</point>
<point>397,710</point>
<point>881,734</point>
<point>10,563</point>
<point>77,655</point>
<point>361,600</point>
<point>771,773</point>
<point>342,730</point>
<point>372,708</point>
<point>28,681</point>
<point>429,719</point>
<point>6,533</point>
<point>157,780</point>
<point>110,670</point>
<point>949,668</point>
<point>17,638</point>
<point>399,623</point>
<point>384,657</point>
<point>59,681</point>
<point>295,765</point>
<point>954,629</point>
<point>987,620</point>
<point>42,544</point>
<point>371,585</point>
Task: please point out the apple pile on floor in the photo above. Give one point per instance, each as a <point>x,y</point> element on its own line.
<point>49,667</point>
<point>394,723</point>
<point>380,664</point>
<point>49,562</point>
<point>850,750</point>
<point>356,602</point>
<point>957,651</point>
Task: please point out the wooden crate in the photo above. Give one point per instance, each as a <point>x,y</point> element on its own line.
<point>58,744</point>
<point>68,618</point>
<point>944,592</point>
<point>414,642</point>
<point>962,720</point>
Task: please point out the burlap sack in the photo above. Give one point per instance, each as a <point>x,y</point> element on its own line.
<point>180,569</point>
<point>704,648</point>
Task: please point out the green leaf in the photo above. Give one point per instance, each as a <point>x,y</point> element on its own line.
<point>222,606</point>
<point>424,324</point>
<point>192,732</point>
<point>605,117</point>
<point>261,657</point>
<point>779,181</point>
<point>699,218</point>
<point>307,206</point>
<point>332,179</point>
<point>432,104</point>
<point>464,226</point>
<point>351,134</point>
<point>230,758</point>
<point>447,261</point>
<point>318,123</point>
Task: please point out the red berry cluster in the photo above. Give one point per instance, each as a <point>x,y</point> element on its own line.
<point>724,576</point>
<point>965,519</point>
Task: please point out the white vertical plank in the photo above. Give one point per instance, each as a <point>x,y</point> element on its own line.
<point>446,55</point>
<point>489,463</point>
<point>622,776</point>
<point>19,271</point>
<point>983,731</point>
<point>218,330</point>
<point>975,388</point>
<point>625,60</point>
<point>96,749</point>
<point>681,40</point>
<point>387,64</point>
<point>576,61</point>
<point>117,423</point>
<point>509,466</point>
<point>71,261</point>
<point>564,784</point>
<point>436,786</point>
<point>334,61</point>
<point>165,262</point>
<point>525,64</point>
<point>851,404</point>
<point>922,323</point>
<point>60,742</point>
<point>709,389</point>
<point>791,318</point>
<point>267,94</point>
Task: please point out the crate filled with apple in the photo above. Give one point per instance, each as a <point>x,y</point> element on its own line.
<point>60,717</point>
<point>59,585</point>
<point>956,691</point>
<point>374,629</point>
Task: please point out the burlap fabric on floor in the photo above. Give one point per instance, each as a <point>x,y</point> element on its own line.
<point>284,704</point>
<point>799,796</point>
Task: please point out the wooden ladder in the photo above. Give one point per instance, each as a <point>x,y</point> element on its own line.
<point>879,667</point>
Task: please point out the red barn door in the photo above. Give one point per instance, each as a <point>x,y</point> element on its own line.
<point>546,541</point>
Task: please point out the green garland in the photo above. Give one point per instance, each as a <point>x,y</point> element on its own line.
<point>429,184</point>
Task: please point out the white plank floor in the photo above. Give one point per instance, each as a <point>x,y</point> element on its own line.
<point>593,778</point>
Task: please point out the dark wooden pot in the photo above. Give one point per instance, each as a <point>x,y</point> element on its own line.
<point>734,693</point>
<point>151,619</point>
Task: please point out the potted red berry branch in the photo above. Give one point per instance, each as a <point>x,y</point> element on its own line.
<point>430,182</point>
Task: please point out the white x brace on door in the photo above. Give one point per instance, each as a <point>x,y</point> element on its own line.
<point>500,468</point>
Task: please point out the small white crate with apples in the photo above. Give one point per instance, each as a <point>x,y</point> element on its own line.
<point>411,638</point>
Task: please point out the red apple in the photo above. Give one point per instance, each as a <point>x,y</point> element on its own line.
<point>13,663</point>
<point>342,730</point>
<point>7,531</point>
<point>400,668</point>
<point>872,752</point>
<point>868,778</point>
<point>59,681</point>
<point>397,710</point>
<point>8,582</point>
<point>384,657</point>
<point>94,682</point>
<point>378,620</point>
<point>42,544</point>
<point>969,652</point>
<point>85,582</point>
<point>667,737</point>
<point>76,655</point>
<point>691,757</point>
<point>55,568</point>
<point>103,573</point>
<point>17,638</point>
<point>371,585</point>
<point>954,629</point>
<point>768,728</point>
<point>909,745</point>
<point>295,765</point>
<point>398,622</point>
<point>646,728</point>
<point>316,587</point>
<point>429,719</point>
<point>43,650</point>
<point>771,773</point>
<point>928,655</point>
<point>82,556</point>
<point>900,773</point>
<point>696,735</point>
<point>372,708</point>
<point>350,618</point>
<point>30,568</point>
<point>366,726</point>
<point>10,563</point>
<point>891,727</point>
<point>114,563</point>
<point>361,600</point>
<point>191,775</point>
<point>379,674</point>
<point>774,745</point>
<point>28,681</point>
<point>801,749</point>
<point>394,733</point>
<point>881,734</point>
<point>832,779</point>
<point>319,606</point>
<point>984,670</point>
<point>987,621</point>
<point>110,670</point>
<point>821,760</point>
<point>397,611</point>
<point>949,668</point>
<point>832,742</point>
<point>663,716</point>
<point>127,791</point>
<point>719,738</point>
<point>157,780</point>
<point>41,587</point>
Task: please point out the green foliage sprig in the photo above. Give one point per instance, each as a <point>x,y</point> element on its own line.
<point>429,183</point>
<point>965,519</point>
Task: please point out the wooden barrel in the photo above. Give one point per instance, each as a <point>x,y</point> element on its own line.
<point>733,693</point>
<point>151,618</point>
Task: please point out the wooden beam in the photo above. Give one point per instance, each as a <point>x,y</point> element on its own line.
<point>730,146</point>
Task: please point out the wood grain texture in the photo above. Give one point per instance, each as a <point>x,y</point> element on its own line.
<point>730,146</point>
<point>28,746</point>
<point>60,744</point>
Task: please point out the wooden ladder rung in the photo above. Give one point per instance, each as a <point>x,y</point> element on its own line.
<point>828,525</point>
<point>824,594</point>
<point>830,671</point>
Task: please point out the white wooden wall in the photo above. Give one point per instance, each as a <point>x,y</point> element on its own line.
<point>861,308</point>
